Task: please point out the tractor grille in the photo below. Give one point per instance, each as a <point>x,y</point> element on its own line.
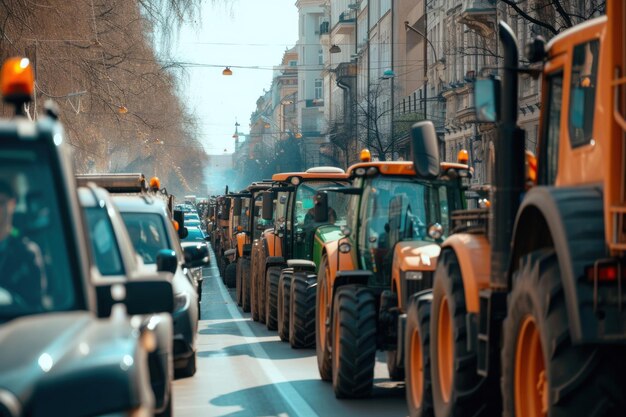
<point>475,221</point>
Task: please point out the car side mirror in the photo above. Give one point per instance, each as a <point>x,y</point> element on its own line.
<point>237,206</point>
<point>487,99</point>
<point>144,294</point>
<point>196,254</point>
<point>179,216</point>
<point>167,261</point>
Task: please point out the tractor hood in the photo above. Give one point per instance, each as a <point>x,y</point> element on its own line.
<point>71,364</point>
<point>416,256</point>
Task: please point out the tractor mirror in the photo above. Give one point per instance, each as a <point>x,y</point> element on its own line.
<point>486,99</point>
<point>425,149</point>
<point>320,210</point>
<point>237,206</point>
<point>268,205</point>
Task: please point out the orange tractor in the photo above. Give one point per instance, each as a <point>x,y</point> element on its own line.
<point>399,214</point>
<point>251,227</point>
<point>283,242</point>
<point>528,314</point>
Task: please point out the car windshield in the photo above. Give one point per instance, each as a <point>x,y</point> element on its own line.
<point>147,233</point>
<point>35,260</point>
<point>103,242</point>
<point>194,234</point>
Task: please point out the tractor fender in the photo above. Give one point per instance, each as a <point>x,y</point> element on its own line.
<point>242,239</point>
<point>411,256</point>
<point>272,243</point>
<point>570,220</point>
<point>473,252</point>
<point>331,249</point>
<point>274,261</point>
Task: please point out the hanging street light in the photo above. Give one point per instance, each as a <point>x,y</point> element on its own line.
<point>227,71</point>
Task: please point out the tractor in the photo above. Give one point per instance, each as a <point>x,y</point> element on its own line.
<point>527,314</point>
<point>399,213</point>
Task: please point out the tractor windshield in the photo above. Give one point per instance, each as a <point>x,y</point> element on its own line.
<point>400,209</point>
<point>337,203</point>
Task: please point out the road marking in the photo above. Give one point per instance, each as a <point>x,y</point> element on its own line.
<point>299,406</point>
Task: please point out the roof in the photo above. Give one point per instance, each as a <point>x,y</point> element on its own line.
<point>400,167</point>
<point>143,204</point>
<point>317,175</point>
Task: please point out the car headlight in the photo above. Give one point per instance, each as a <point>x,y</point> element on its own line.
<point>181,301</point>
<point>413,275</point>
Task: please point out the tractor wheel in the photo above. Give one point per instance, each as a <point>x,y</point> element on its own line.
<point>395,373</point>
<point>302,312</point>
<point>322,306</point>
<point>245,285</point>
<point>353,341</point>
<point>260,293</point>
<point>271,297</point>
<point>284,285</point>
<point>419,394</point>
<point>230,275</point>
<point>254,288</point>
<point>458,390</point>
<point>238,286</point>
<point>543,373</point>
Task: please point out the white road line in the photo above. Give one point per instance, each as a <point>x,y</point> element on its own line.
<point>299,406</point>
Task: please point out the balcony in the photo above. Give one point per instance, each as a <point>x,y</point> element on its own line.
<point>480,16</point>
<point>345,24</point>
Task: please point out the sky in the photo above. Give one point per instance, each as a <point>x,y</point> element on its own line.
<point>246,33</point>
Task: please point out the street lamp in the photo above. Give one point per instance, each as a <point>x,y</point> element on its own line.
<point>335,49</point>
<point>227,71</point>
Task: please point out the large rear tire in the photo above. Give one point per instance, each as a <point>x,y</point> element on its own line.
<point>284,288</point>
<point>302,311</point>
<point>271,297</point>
<point>322,348</point>
<point>353,342</point>
<point>254,289</point>
<point>543,373</point>
<point>245,284</point>
<point>238,283</point>
<point>458,390</point>
<point>230,275</point>
<point>419,395</point>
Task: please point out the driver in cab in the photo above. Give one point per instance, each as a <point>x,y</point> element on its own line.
<point>22,271</point>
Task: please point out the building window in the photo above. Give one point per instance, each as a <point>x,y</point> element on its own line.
<point>319,89</point>
<point>293,63</point>
<point>320,56</point>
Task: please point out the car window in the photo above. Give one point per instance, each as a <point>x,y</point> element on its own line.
<point>147,232</point>
<point>36,270</point>
<point>104,245</point>
<point>194,234</point>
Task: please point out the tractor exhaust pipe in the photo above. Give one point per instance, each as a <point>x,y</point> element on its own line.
<point>508,184</point>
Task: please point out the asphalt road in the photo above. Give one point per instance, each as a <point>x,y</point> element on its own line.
<point>245,370</point>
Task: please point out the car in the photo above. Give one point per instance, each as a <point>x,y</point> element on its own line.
<point>192,223</point>
<point>68,347</point>
<point>152,231</point>
<point>117,261</point>
<point>190,215</point>
<point>194,234</point>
